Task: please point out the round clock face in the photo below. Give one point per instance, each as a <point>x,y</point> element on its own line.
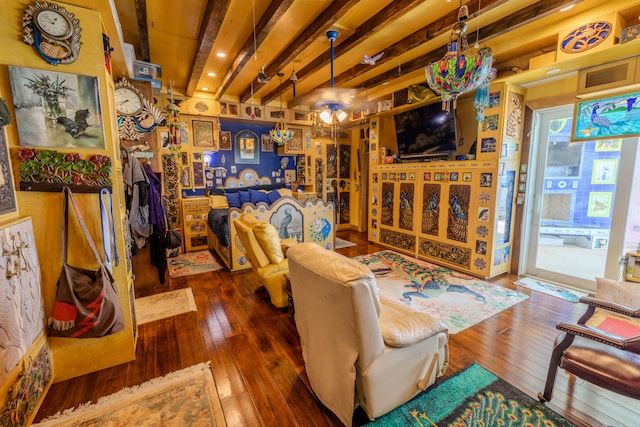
<point>128,102</point>
<point>53,23</point>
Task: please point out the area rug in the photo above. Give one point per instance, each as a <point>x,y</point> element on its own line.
<point>458,299</point>
<point>183,398</point>
<point>192,263</point>
<point>341,243</point>
<point>549,289</point>
<point>166,304</point>
<point>472,397</point>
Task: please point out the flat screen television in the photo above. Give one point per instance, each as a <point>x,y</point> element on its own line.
<point>427,131</point>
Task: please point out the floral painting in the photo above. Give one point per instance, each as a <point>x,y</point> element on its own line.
<point>55,109</point>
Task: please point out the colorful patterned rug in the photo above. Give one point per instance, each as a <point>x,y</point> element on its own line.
<point>192,263</point>
<point>183,398</point>
<point>472,397</point>
<point>454,297</point>
<point>549,289</point>
<point>166,304</point>
<point>341,243</point>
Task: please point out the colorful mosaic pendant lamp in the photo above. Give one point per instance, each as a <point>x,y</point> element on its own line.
<point>280,134</point>
<point>460,70</point>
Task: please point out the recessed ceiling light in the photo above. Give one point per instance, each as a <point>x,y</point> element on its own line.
<point>211,74</point>
<point>221,55</point>
<point>385,83</point>
<point>553,71</point>
<point>564,9</point>
<point>204,88</point>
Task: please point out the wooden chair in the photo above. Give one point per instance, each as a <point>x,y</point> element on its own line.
<point>600,357</point>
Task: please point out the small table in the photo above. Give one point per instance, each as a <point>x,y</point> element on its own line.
<point>287,288</point>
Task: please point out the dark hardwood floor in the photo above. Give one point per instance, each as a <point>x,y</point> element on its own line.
<point>257,362</point>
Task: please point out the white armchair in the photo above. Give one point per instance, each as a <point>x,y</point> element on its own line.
<point>356,344</point>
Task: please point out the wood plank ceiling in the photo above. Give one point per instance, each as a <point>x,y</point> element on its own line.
<point>184,36</point>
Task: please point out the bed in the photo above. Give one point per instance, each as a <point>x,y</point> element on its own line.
<point>311,221</point>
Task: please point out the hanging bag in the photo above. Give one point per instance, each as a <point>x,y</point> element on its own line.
<point>86,303</point>
<point>173,238</point>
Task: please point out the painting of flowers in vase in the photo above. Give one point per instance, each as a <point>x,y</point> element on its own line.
<point>55,109</point>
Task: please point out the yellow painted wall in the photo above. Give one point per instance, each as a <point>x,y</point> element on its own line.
<point>71,357</point>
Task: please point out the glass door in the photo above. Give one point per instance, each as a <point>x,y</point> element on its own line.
<point>577,203</point>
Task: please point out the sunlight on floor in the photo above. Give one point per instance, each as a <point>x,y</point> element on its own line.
<point>582,262</point>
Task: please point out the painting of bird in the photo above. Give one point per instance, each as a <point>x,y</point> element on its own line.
<point>371,60</point>
<point>458,218</point>
<point>78,125</point>
<point>283,232</point>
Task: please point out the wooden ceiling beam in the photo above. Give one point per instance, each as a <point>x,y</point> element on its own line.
<point>271,16</point>
<point>518,19</point>
<point>141,16</point>
<point>209,28</point>
<point>328,16</point>
<point>388,14</point>
<point>440,26</point>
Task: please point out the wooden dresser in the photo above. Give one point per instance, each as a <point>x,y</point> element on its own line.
<point>194,223</point>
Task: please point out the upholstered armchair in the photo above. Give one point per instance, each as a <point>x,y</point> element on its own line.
<point>264,250</point>
<point>604,353</point>
<point>359,349</point>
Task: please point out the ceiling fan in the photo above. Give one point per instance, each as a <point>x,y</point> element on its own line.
<point>333,102</point>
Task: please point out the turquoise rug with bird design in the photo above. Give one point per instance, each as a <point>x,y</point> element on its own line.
<point>472,397</point>
<point>458,299</point>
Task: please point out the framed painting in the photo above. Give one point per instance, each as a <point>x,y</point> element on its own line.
<point>225,140</point>
<point>295,143</point>
<point>599,204</point>
<point>267,143</point>
<point>301,117</point>
<point>604,171</point>
<point>7,189</point>
<point>197,166</point>
<point>246,147</point>
<point>607,118</point>
<point>202,132</point>
<point>253,112</point>
<point>55,109</point>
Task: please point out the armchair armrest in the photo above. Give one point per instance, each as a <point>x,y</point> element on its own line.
<point>410,328</point>
<point>611,306</point>
<point>631,344</point>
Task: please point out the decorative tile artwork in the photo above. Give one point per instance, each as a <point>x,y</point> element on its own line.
<point>21,310</point>
<point>449,253</point>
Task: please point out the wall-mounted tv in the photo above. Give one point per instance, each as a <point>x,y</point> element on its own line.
<point>426,131</point>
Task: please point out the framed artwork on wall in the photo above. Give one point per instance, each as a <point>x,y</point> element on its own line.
<point>202,132</point>
<point>7,189</point>
<point>225,140</point>
<point>55,109</point>
<point>253,112</point>
<point>246,148</point>
<point>267,143</point>
<point>294,145</point>
<point>612,117</point>
<point>197,166</point>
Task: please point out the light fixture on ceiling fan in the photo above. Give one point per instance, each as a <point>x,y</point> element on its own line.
<point>332,102</point>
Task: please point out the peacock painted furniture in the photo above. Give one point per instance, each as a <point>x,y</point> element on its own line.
<point>309,221</point>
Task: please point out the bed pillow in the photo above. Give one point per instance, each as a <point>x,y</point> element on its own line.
<point>234,200</point>
<point>273,195</point>
<point>258,196</point>
<point>269,241</point>
<point>218,202</point>
<point>244,197</point>
<point>285,192</point>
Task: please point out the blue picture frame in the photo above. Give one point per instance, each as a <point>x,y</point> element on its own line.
<point>607,118</point>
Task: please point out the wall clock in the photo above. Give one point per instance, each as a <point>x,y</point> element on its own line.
<point>54,32</point>
<point>136,114</point>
